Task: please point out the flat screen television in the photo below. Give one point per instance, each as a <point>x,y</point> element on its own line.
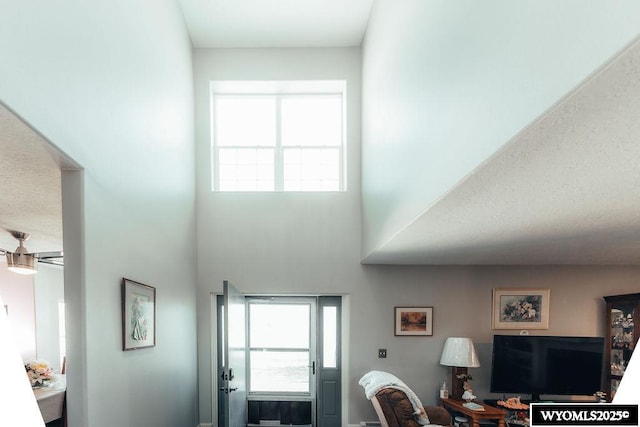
<point>536,365</point>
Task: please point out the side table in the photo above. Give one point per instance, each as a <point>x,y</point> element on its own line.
<point>489,413</point>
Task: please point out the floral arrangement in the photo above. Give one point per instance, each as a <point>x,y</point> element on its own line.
<point>39,373</point>
<point>524,309</point>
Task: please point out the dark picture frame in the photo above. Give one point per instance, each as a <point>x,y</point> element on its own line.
<point>138,315</point>
<point>413,321</point>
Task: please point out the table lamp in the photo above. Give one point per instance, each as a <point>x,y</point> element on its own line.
<point>460,354</point>
<point>18,406</point>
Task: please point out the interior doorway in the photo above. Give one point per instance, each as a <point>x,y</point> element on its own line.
<point>33,168</point>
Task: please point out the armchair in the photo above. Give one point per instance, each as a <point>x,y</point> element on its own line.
<point>397,405</point>
<point>394,410</point>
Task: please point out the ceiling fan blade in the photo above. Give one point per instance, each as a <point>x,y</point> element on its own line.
<point>45,255</point>
<point>51,261</point>
<point>52,258</point>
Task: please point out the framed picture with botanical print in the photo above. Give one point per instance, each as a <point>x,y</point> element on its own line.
<point>138,315</point>
<point>520,308</point>
<point>413,321</point>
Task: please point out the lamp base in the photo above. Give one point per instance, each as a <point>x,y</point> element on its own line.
<point>458,376</point>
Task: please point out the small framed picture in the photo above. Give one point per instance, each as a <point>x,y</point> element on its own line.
<point>413,321</point>
<point>138,315</point>
<point>520,308</point>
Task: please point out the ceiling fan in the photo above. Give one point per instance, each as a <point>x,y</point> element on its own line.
<point>23,262</point>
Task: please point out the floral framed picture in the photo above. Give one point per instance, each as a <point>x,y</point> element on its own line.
<point>413,321</point>
<point>138,315</point>
<point>520,308</point>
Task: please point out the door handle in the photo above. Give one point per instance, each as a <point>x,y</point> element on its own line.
<point>313,367</point>
<point>227,377</point>
<point>233,389</point>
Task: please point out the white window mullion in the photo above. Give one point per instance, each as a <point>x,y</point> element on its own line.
<point>279,155</point>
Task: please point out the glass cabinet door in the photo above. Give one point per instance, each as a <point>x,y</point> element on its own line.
<point>622,315</point>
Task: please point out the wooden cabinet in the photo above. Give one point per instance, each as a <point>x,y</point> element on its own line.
<point>623,319</point>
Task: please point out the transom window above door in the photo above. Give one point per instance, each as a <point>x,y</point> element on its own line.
<point>278,136</point>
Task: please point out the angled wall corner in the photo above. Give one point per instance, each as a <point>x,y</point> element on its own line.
<point>446,86</point>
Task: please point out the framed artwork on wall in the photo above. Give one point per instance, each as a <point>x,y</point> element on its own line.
<point>520,308</point>
<point>413,321</point>
<point>138,315</point>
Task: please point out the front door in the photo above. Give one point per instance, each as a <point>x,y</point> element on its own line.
<point>234,377</point>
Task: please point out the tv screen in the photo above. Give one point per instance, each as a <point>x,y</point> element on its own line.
<point>527,364</point>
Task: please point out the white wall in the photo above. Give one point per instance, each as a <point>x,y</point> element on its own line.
<point>111,85</point>
<point>446,84</point>
<point>33,311</point>
<point>48,292</point>
<point>18,294</point>
<point>274,242</point>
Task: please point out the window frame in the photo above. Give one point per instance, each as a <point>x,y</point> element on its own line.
<point>279,91</point>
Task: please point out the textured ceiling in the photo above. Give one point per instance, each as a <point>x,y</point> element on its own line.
<point>30,198</point>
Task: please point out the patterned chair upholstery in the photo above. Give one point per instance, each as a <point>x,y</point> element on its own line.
<point>395,410</point>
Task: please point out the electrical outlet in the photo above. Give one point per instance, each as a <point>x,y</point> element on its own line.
<point>382,353</point>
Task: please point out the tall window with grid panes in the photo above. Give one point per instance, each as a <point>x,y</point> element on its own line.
<point>278,136</point>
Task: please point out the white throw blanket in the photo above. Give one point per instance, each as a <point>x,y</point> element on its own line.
<point>374,381</point>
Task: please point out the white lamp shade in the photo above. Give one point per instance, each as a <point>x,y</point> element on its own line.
<point>18,406</point>
<point>459,352</point>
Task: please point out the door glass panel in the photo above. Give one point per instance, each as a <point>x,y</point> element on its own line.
<point>329,336</point>
<point>279,325</point>
<point>279,371</point>
<point>621,338</point>
<point>279,347</point>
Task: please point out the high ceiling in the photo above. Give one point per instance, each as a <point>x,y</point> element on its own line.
<point>564,191</point>
<point>276,23</point>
